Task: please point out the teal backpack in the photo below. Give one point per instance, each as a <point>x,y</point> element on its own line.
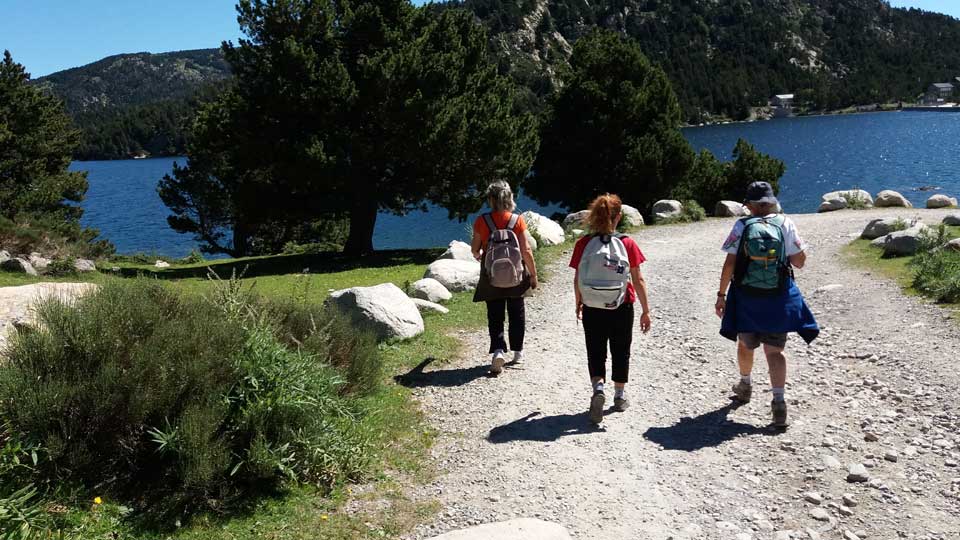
<point>762,265</point>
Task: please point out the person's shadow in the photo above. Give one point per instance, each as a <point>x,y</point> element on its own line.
<point>704,431</point>
<point>533,427</point>
<point>418,378</point>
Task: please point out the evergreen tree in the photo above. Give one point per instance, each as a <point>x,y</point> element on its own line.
<point>614,127</point>
<point>36,142</point>
<point>344,109</point>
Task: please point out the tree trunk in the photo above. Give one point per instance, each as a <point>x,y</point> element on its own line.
<point>241,241</point>
<point>363,220</point>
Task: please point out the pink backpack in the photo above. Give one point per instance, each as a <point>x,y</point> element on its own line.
<point>503,261</point>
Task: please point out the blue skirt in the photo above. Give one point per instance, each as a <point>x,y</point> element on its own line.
<point>783,313</point>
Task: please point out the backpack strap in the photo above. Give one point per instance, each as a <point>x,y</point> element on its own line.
<point>488,219</point>
<point>514,218</point>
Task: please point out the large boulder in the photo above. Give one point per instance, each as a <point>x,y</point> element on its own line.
<point>39,262</point>
<point>667,209</point>
<point>902,243</point>
<point>941,201</point>
<point>84,265</point>
<point>19,265</point>
<point>456,276</point>
<point>384,308</point>
<point>515,529</point>
<point>161,264</point>
<point>546,231</point>
<point>953,245</point>
<point>950,219</point>
<point>730,209</point>
<point>882,227</point>
<point>426,305</point>
<point>832,205</point>
<point>4,256</point>
<point>531,241</point>
<point>459,251</point>
<point>576,220</point>
<point>849,194</point>
<point>889,198</point>
<point>430,290</point>
<point>632,217</point>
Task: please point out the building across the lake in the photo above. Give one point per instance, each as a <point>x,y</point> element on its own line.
<point>938,93</point>
<point>782,105</point>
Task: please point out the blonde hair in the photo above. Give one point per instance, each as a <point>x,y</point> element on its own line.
<point>604,211</point>
<point>500,197</point>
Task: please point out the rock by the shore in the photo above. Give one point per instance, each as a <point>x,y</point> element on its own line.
<point>384,308</point>
<point>84,265</point>
<point>730,209</point>
<point>4,256</point>
<point>515,529</point>
<point>889,198</point>
<point>901,243</point>
<point>39,262</point>
<point>832,205</point>
<point>458,251</point>
<point>531,241</point>
<point>953,245</point>
<point>576,220</point>
<point>426,305</point>
<point>941,201</point>
<point>456,276</point>
<point>880,227</point>
<point>19,265</point>
<point>430,290</point>
<point>546,231</point>
<point>631,217</point>
<point>667,209</point>
<point>845,194</point>
<point>161,264</point>
<point>951,219</point>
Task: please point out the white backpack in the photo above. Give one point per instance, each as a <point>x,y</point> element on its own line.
<point>503,261</point>
<point>604,272</point>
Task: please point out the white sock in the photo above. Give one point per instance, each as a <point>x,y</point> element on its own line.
<point>598,387</point>
<point>497,353</point>
<point>746,379</point>
<point>619,393</point>
<point>777,393</point>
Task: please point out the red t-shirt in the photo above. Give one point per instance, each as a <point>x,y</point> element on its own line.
<point>633,253</point>
<point>501,220</point>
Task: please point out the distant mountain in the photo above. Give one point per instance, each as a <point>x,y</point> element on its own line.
<point>727,56</point>
<point>137,104</point>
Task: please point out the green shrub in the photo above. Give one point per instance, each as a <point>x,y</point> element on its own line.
<point>65,266</point>
<point>855,201</point>
<point>937,274</point>
<point>177,402</point>
<point>691,212</point>
<point>900,224</point>
<point>21,511</point>
<point>195,257</point>
<point>52,237</point>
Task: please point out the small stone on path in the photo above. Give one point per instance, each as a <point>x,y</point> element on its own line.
<point>857,473</point>
<point>820,514</point>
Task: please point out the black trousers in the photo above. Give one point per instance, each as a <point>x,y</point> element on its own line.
<point>495,319</point>
<point>613,326</point>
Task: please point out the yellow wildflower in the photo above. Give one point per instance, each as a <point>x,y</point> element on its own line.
<point>324,517</point>
<point>97,500</point>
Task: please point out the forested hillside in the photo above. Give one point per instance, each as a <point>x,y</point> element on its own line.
<point>725,56</point>
<point>133,104</point>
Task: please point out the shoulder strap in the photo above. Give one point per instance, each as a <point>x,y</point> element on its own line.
<point>488,219</point>
<point>514,218</point>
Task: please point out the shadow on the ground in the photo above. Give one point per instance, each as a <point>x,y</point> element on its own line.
<point>704,431</point>
<point>543,429</point>
<point>418,378</point>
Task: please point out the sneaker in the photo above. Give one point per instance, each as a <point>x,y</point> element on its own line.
<point>779,409</point>
<point>496,365</point>
<point>517,357</point>
<point>596,407</point>
<point>620,404</point>
<point>743,392</point>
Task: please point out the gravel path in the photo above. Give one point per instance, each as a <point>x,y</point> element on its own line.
<point>879,388</point>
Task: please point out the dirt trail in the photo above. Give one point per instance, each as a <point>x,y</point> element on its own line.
<point>684,463</point>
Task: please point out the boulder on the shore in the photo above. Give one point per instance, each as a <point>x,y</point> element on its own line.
<point>949,219</point>
<point>632,217</point>
<point>384,308</point>
<point>531,241</point>
<point>460,251</point>
<point>882,227</point>
<point>576,220</point>
<point>901,243</point>
<point>84,265</point>
<point>832,205</point>
<point>4,256</point>
<point>456,276</point>
<point>39,262</point>
<point>667,209</point>
<point>730,209</point>
<point>426,305</point>
<point>546,231</point>
<point>19,265</point>
<point>515,529</point>
<point>846,194</point>
<point>941,201</point>
<point>161,264</point>
<point>953,245</point>
<point>430,290</point>
<point>889,198</point>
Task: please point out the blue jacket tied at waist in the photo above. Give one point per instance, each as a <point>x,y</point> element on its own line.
<point>782,313</point>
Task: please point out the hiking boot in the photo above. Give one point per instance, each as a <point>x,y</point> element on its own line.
<point>620,404</point>
<point>743,392</point>
<point>779,409</point>
<point>596,406</point>
<point>496,365</point>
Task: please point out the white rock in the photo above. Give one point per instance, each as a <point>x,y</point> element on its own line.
<point>730,209</point>
<point>890,198</point>
<point>632,217</point>
<point>384,308</point>
<point>941,201</point>
<point>458,251</point>
<point>951,219</point>
<point>455,276</point>
<point>161,264</point>
<point>4,256</point>
<point>820,514</point>
<point>39,262</point>
<point>857,473</point>
<point>430,290</point>
<point>546,231</point>
<point>20,265</point>
<point>813,497</point>
<point>424,305</point>
<point>515,529</point>
<point>666,209</point>
<point>576,219</point>
<point>832,205</point>
<point>844,194</point>
<point>84,265</point>
<point>531,241</point>
<point>953,245</point>
<point>829,288</point>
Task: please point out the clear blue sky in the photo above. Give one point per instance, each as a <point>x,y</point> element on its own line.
<point>50,35</point>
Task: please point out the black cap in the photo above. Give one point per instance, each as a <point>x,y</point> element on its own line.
<point>761,192</point>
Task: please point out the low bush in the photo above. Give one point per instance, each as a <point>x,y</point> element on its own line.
<point>936,270</point>
<point>855,201</point>
<point>691,212</point>
<point>178,402</point>
<point>52,238</point>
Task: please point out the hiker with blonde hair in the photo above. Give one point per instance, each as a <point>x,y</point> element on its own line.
<point>607,284</point>
<point>508,272</point>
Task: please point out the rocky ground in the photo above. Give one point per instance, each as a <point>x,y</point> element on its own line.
<point>877,393</point>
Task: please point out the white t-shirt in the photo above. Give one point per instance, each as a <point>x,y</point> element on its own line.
<point>791,237</point>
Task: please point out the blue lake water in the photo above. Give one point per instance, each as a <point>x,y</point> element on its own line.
<point>901,151</point>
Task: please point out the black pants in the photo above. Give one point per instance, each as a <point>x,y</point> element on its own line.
<point>613,326</point>
<point>495,319</point>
